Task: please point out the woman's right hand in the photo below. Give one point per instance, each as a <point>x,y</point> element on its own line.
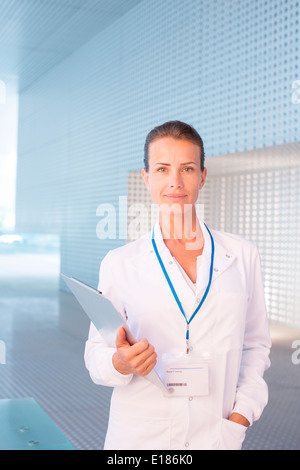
<point>139,358</point>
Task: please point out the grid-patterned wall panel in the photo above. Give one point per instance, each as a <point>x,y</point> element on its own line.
<point>227,67</point>
<point>263,205</point>
<point>259,200</point>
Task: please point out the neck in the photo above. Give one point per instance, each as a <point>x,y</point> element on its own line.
<point>184,228</point>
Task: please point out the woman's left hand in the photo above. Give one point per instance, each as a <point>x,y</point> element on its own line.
<point>240,419</point>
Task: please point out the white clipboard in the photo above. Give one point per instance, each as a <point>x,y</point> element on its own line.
<point>105,317</point>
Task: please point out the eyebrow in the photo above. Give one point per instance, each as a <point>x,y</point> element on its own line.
<point>169,164</point>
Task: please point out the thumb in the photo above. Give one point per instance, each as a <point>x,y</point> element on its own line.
<point>121,339</point>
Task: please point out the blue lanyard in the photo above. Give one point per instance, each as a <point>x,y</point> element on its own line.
<point>174,291</point>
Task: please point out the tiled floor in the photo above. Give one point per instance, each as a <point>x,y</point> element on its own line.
<point>279,426</point>
<point>46,363</point>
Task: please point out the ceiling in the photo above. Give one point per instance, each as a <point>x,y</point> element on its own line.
<point>37,34</point>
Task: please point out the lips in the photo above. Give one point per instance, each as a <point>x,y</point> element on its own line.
<point>175,196</point>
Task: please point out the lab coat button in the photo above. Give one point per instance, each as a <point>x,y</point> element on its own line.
<point>227,255</point>
<point>187,444</point>
<point>216,270</point>
<point>190,398</point>
<point>170,262</point>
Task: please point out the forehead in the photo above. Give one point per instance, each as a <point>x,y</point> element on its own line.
<point>174,149</point>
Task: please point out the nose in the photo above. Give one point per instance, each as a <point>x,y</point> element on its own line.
<point>175,180</point>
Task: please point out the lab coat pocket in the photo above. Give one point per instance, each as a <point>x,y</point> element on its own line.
<point>130,432</point>
<point>232,435</point>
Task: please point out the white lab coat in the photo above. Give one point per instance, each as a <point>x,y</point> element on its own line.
<point>231,329</point>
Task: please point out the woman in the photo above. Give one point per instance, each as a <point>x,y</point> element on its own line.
<point>194,299</point>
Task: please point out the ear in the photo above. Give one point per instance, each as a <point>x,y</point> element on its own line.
<point>203,178</point>
<point>145,175</point>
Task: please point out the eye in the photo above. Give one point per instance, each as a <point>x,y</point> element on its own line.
<point>161,169</point>
<point>188,169</point>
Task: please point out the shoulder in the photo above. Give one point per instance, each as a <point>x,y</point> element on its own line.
<point>234,242</point>
<point>243,251</point>
<point>129,250</point>
<point>116,266</point>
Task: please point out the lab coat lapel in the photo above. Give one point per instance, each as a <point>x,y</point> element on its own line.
<point>222,260</point>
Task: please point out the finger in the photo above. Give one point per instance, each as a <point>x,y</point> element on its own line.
<point>150,367</point>
<point>139,347</point>
<point>121,339</point>
<point>147,365</point>
<point>140,362</point>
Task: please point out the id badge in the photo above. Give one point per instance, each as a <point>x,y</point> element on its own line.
<point>186,378</point>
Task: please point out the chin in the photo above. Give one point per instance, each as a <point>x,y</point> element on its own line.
<point>176,208</point>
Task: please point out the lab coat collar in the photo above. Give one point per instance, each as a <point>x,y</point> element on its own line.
<point>223,258</point>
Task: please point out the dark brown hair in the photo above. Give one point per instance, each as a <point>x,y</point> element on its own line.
<point>177,130</point>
